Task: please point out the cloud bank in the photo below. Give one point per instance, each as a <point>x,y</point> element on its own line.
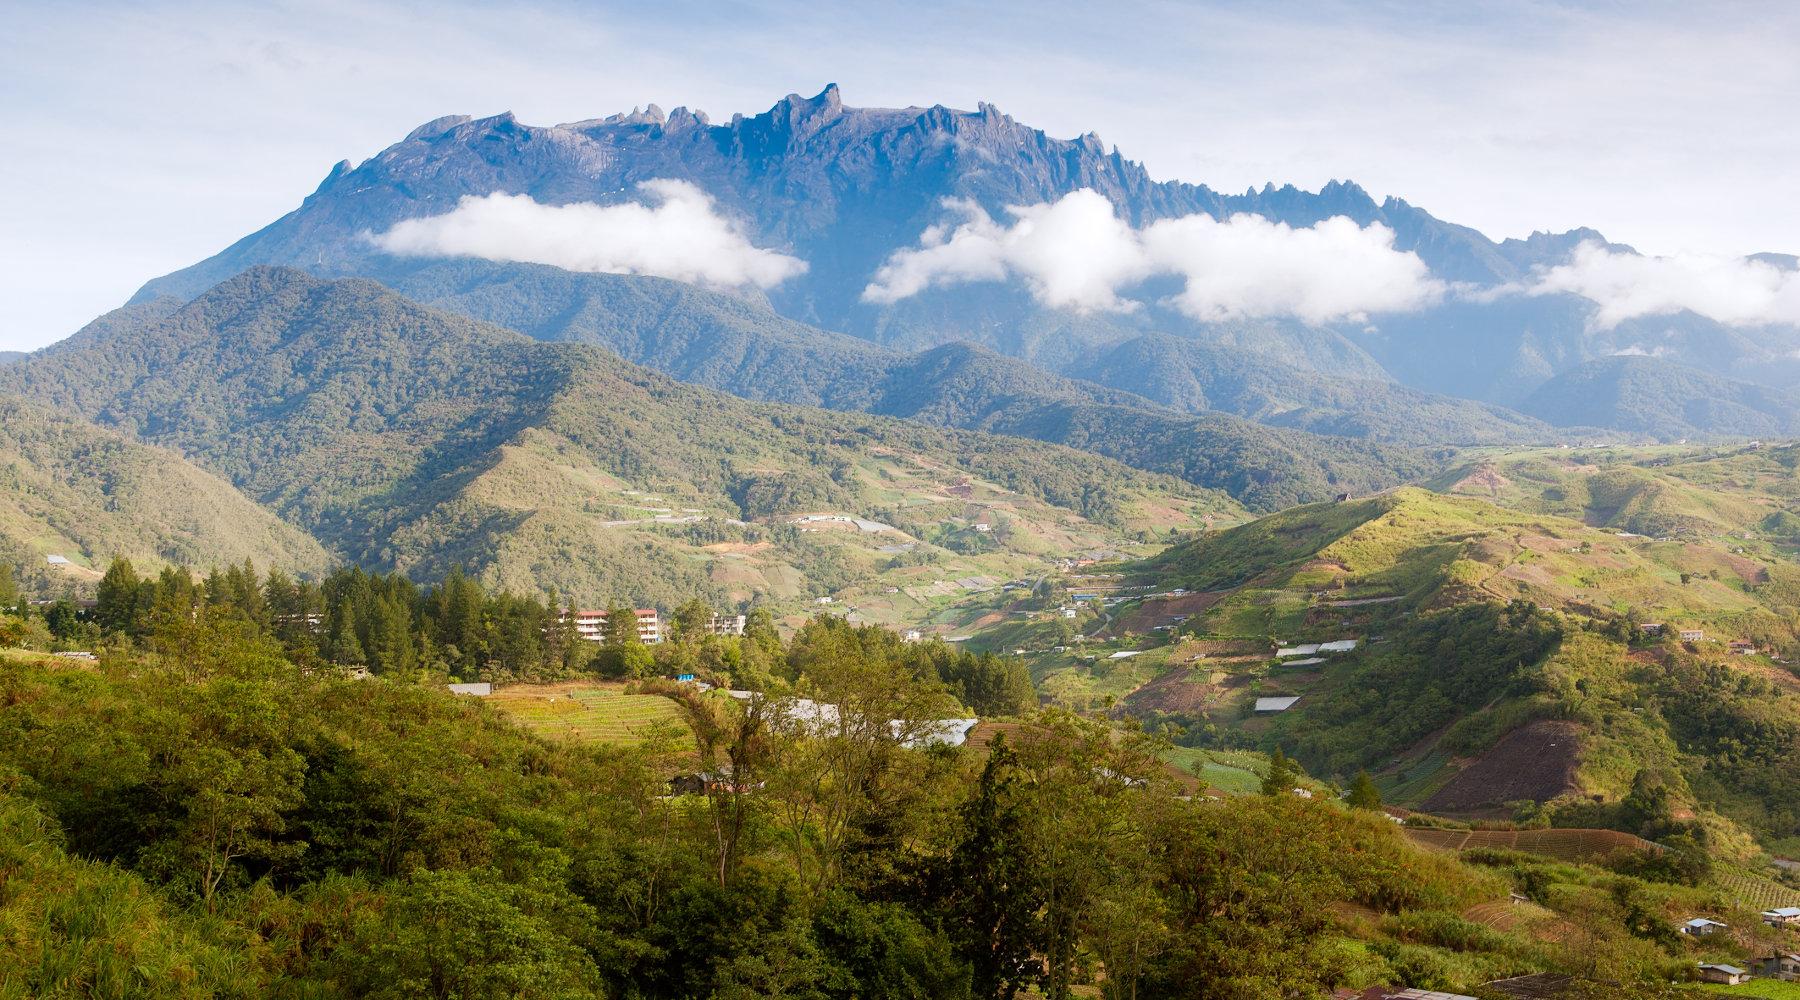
<point>676,234</point>
<point>1735,291</point>
<point>1075,253</point>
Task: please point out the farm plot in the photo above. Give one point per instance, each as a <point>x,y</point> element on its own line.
<point>1751,890</point>
<point>1563,845</point>
<point>588,712</point>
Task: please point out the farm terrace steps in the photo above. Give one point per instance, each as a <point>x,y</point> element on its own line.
<point>1562,844</point>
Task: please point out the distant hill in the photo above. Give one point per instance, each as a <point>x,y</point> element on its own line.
<point>1662,400</point>
<point>739,345</point>
<point>410,438</point>
<point>736,345</point>
<point>1729,493</point>
<point>74,490</point>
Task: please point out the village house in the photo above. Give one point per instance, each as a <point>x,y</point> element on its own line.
<point>1784,966</point>
<point>1782,916</point>
<point>1691,635</point>
<point>727,624</point>
<point>1651,628</point>
<point>1276,704</point>
<point>1724,975</point>
<point>1702,927</point>
<point>1743,647</point>
<point>592,625</point>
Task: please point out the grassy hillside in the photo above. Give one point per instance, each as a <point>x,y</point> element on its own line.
<point>1498,661</point>
<point>407,438</point>
<point>70,489</point>
<point>1749,494</point>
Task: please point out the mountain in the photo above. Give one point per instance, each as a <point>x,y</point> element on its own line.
<point>842,189</point>
<point>404,437</point>
<point>1197,377</point>
<point>1655,398</point>
<point>86,495</point>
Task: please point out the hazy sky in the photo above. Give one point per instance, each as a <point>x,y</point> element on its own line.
<point>142,137</point>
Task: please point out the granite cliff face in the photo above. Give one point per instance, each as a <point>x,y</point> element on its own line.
<point>842,188</point>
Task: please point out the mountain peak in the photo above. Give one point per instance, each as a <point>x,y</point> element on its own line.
<point>796,109</point>
<point>436,127</point>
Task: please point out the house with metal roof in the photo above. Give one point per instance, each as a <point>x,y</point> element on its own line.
<point>1725,975</point>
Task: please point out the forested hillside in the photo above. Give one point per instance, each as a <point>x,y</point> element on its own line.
<point>214,812</point>
<point>407,438</point>
<point>86,494</point>
<point>743,347</point>
<point>1662,400</point>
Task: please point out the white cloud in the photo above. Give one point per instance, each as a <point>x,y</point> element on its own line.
<point>1732,290</point>
<point>676,235</point>
<point>1073,253</point>
<point>1076,253</point>
<point>1248,266</point>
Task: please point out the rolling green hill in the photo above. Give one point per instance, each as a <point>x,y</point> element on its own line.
<point>70,489</point>
<point>1498,660</point>
<point>1747,492</point>
<point>403,437</point>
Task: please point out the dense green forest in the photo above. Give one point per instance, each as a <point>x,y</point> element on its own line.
<point>221,821</point>
<point>725,342</point>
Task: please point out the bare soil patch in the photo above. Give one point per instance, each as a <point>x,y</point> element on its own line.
<point>1535,761</point>
<point>1486,479</point>
<point>1166,611</point>
<point>1178,691</point>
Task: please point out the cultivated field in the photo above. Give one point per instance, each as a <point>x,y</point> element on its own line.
<point>589,712</point>
<point>1564,845</point>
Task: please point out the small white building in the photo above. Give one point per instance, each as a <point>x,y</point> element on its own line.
<point>1782,916</point>
<point>479,690</point>
<point>1702,927</point>
<point>1276,704</point>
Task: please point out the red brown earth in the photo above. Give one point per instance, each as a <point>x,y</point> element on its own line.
<point>1535,761</point>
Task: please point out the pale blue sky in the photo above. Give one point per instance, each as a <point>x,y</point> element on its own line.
<point>144,136</point>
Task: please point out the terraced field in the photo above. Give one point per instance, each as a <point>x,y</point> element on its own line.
<point>1753,890</point>
<point>1564,845</point>
<point>589,712</point>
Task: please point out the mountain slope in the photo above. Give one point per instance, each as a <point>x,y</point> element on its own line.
<point>409,438</point>
<point>70,489</point>
<point>727,343</point>
<point>1653,397</point>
